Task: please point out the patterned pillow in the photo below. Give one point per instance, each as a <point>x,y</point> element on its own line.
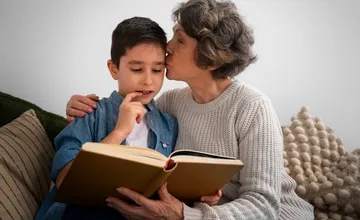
<point>26,156</point>
<point>326,175</point>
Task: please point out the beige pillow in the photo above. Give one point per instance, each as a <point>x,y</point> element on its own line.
<point>326,175</point>
<point>26,156</point>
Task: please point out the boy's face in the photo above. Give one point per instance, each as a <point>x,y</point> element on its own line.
<point>141,69</point>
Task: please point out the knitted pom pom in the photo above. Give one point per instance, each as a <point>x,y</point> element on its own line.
<point>315,150</point>
<point>336,217</point>
<point>306,157</point>
<point>304,147</point>
<point>309,172</point>
<point>316,160</point>
<point>344,194</point>
<point>314,140</point>
<point>290,138</point>
<point>300,179</point>
<point>302,138</point>
<point>326,175</point>
<point>307,165</point>
<point>298,170</point>
<point>300,190</point>
<point>312,178</point>
<point>325,153</point>
<point>349,180</point>
<point>296,123</point>
<point>334,145</point>
<point>319,125</point>
<point>312,131</point>
<point>294,162</point>
<point>339,182</point>
<point>286,131</point>
<point>324,143</point>
<point>300,130</point>
<point>330,198</point>
<point>334,156</point>
<point>309,123</point>
<point>349,209</point>
<point>319,202</point>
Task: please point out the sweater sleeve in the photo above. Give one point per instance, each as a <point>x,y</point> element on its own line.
<point>260,145</point>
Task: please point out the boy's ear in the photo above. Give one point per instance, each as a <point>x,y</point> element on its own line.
<point>212,68</point>
<point>113,69</point>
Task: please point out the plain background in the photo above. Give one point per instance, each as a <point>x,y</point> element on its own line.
<point>308,53</point>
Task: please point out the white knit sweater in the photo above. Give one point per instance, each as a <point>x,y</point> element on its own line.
<point>240,123</point>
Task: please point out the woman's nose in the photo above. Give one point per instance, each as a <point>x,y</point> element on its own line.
<point>169,48</point>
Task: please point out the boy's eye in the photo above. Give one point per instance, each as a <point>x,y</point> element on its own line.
<point>136,70</point>
<point>157,71</point>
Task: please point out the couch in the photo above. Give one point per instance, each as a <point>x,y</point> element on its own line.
<point>27,133</point>
<point>326,175</point>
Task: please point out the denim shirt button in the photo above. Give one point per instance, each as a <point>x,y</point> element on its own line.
<point>164,145</point>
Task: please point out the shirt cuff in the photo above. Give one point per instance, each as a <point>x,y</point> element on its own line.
<point>191,213</point>
<point>61,158</point>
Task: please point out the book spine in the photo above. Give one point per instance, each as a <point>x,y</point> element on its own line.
<point>155,184</point>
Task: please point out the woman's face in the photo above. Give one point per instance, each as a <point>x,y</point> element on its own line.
<point>180,61</point>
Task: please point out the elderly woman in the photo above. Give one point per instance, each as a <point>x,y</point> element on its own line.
<point>218,114</point>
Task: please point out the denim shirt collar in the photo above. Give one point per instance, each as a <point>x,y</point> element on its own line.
<point>118,99</point>
<point>154,119</point>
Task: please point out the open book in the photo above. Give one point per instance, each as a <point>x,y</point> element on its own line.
<point>99,169</point>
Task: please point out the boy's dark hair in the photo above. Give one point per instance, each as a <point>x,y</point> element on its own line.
<point>133,31</point>
<point>224,40</point>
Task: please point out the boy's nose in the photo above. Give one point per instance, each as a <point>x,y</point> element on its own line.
<point>147,79</point>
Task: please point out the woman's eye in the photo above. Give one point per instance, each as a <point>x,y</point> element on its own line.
<point>136,70</point>
<point>180,41</point>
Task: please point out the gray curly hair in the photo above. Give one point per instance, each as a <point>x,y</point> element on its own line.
<point>224,40</point>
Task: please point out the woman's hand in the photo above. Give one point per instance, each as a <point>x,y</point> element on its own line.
<point>79,105</point>
<point>213,199</point>
<point>167,207</point>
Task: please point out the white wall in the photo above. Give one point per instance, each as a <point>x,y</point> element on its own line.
<point>308,53</point>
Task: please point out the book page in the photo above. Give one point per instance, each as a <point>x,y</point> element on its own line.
<point>198,154</point>
<point>205,160</point>
<point>114,150</point>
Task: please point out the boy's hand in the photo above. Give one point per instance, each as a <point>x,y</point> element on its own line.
<point>129,112</point>
<point>213,199</point>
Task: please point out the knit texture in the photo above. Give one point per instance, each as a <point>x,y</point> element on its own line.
<point>240,123</point>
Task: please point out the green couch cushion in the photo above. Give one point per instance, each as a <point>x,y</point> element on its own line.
<point>12,107</point>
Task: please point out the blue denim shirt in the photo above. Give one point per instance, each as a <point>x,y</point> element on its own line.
<point>94,127</point>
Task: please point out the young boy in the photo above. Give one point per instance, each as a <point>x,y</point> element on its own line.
<point>129,116</point>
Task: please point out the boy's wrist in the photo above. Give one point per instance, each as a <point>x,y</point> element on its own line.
<point>119,133</point>
<point>115,137</point>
